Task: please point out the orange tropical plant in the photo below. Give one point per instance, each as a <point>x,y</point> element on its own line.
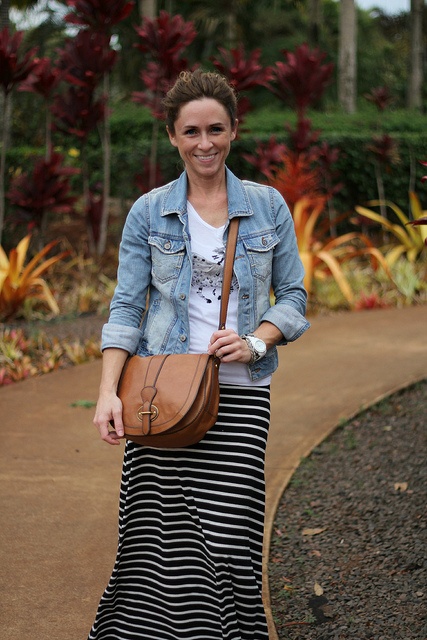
<point>321,257</point>
<point>19,282</point>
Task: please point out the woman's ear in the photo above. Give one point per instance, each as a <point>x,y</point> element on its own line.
<point>171,137</point>
<point>234,129</point>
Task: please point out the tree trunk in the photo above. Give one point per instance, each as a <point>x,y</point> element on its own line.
<point>315,17</point>
<point>148,8</point>
<point>415,79</point>
<point>347,61</point>
<point>3,161</point>
<point>4,13</point>
<point>106,150</point>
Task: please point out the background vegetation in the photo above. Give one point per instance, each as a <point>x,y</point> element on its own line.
<point>82,138</point>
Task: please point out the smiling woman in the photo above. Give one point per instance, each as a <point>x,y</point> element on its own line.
<point>191,519</point>
<point>202,134</point>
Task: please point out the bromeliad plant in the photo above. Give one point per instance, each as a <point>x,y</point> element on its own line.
<point>321,257</point>
<point>20,282</point>
<point>410,234</point>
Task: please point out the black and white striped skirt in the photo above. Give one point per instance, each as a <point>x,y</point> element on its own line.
<point>191,522</point>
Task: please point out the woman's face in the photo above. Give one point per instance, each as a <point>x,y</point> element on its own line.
<point>203,135</point>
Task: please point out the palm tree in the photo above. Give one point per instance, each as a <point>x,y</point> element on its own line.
<point>347,56</point>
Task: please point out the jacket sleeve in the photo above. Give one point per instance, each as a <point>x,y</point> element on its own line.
<point>287,277</point>
<point>133,280</point>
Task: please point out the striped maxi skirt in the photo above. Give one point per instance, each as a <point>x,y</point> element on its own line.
<point>191,522</point>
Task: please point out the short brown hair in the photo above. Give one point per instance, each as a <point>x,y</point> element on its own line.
<point>195,85</point>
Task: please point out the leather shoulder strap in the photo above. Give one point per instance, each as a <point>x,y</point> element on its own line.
<point>230,251</point>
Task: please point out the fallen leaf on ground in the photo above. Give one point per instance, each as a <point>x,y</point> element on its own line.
<point>86,404</point>
<point>401,486</point>
<point>318,590</point>
<point>313,532</point>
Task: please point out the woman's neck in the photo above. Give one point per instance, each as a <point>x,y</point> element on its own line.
<point>209,198</point>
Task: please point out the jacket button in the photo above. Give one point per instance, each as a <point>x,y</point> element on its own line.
<point>264,241</point>
<point>167,245</point>
<point>182,296</point>
<point>183,338</point>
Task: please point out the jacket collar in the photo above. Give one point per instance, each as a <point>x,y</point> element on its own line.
<point>175,200</point>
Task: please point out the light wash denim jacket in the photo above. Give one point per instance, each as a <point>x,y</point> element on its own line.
<point>155,270</point>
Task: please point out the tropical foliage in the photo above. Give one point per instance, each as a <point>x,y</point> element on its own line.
<point>23,356</point>
<point>410,233</point>
<point>323,256</point>
<point>20,282</point>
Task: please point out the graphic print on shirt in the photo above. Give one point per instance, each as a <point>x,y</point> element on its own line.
<point>207,275</point>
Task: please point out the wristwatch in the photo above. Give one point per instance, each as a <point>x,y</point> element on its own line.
<point>256,346</point>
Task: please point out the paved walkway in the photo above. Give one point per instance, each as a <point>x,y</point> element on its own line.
<point>59,483</point>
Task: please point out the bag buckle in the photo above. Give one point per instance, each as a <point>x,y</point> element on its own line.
<point>153,413</point>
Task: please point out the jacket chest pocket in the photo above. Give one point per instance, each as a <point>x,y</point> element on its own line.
<point>167,255</point>
<point>259,248</point>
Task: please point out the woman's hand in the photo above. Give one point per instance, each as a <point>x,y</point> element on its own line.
<point>109,407</point>
<point>227,345</point>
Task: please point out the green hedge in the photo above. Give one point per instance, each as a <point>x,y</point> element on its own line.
<point>131,131</point>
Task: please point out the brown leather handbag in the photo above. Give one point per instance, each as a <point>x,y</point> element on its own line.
<point>172,400</point>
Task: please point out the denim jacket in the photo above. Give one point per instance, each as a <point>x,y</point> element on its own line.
<point>155,271</point>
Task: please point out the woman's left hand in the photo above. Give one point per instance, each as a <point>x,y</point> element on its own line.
<point>227,345</point>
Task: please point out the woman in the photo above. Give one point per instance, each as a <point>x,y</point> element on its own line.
<point>191,520</point>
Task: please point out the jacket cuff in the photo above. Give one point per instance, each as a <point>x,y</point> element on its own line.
<point>120,336</point>
<point>290,321</point>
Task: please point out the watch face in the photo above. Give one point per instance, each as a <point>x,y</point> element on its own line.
<point>259,345</point>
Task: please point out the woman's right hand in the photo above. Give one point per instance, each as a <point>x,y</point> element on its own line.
<point>109,408</point>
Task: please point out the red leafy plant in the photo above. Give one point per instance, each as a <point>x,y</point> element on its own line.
<point>301,80</point>
<point>268,157</point>
<point>164,40</point>
<point>44,81</point>
<point>90,62</point>
<point>380,97</point>
<point>86,61</point>
<point>244,72</point>
<point>15,67</point>
<point>46,190</point>
<point>302,167</point>
<point>98,15</point>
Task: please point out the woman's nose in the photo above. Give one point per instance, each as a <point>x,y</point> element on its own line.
<point>205,142</point>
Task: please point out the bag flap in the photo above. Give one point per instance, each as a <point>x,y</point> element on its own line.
<point>176,379</point>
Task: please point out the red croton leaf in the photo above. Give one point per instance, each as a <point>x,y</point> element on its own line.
<point>164,39</point>
<point>47,188</point>
<point>302,79</point>
<point>43,79</point>
<point>99,15</point>
<point>86,58</point>
<point>77,113</point>
<point>380,97</point>
<point>268,157</point>
<point>243,71</point>
<point>15,65</point>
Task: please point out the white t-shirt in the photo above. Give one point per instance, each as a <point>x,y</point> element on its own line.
<point>208,253</point>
